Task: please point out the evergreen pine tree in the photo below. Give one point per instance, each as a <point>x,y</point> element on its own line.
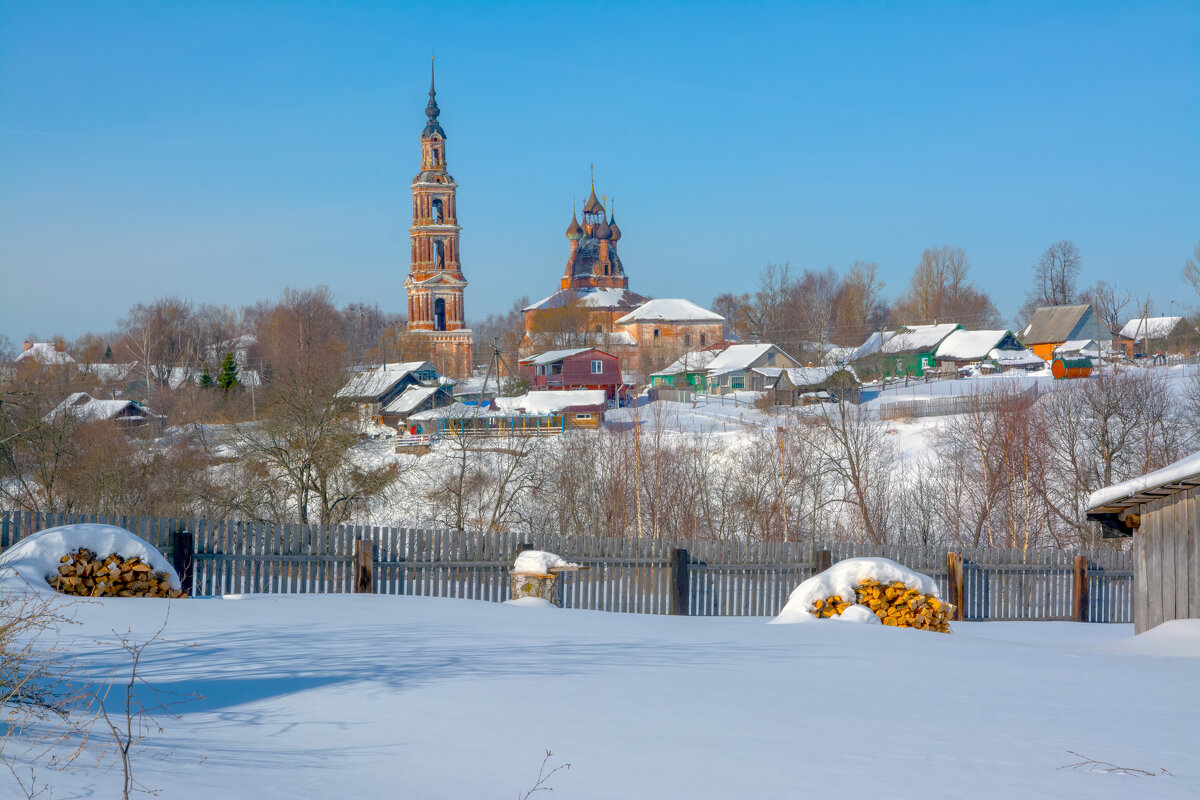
<point>228,378</point>
<point>108,353</point>
<point>206,380</point>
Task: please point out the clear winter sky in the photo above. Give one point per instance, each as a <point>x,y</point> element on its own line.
<point>224,151</point>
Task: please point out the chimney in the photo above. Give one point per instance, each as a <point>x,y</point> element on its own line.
<point>28,345</point>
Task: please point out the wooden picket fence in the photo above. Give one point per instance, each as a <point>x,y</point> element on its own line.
<point>644,576</point>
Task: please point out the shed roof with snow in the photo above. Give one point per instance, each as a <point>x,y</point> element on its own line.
<point>85,408</point>
<point>1151,327</point>
<point>554,402</point>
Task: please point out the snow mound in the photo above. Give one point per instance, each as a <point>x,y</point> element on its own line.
<point>539,562</point>
<point>1178,637</point>
<point>530,602</point>
<point>30,561</point>
<point>842,578</point>
<point>857,613</point>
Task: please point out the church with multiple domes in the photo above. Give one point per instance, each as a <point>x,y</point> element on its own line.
<point>593,306</point>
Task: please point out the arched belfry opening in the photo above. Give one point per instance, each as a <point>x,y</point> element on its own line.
<point>439,314</point>
<point>439,254</point>
<point>436,212</point>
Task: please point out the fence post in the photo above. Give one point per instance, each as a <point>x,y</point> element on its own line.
<point>364,566</point>
<point>677,583</point>
<point>523,546</point>
<point>1080,595</point>
<point>954,583</point>
<point>183,558</point>
<point>824,560</point>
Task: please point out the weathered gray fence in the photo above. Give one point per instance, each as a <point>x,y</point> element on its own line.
<point>918,405</point>
<point>646,576</point>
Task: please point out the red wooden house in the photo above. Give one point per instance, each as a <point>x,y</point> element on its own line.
<point>582,368</point>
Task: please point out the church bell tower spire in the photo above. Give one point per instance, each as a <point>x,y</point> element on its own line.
<point>435,280</point>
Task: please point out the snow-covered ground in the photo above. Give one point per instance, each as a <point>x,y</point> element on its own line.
<point>380,696</point>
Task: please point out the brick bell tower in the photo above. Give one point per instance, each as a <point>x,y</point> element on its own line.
<point>435,280</point>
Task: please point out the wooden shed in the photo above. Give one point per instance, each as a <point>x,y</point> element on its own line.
<point>1161,511</point>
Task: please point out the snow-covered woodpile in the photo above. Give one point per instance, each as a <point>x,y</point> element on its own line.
<point>873,590</point>
<point>894,604</point>
<point>82,573</point>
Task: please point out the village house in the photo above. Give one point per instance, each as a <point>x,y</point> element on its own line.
<point>579,368</point>
<point>790,386</point>
<point>372,388</point>
<point>538,413</point>
<point>82,407</point>
<point>912,350</point>
<point>1052,326</point>
<point>689,371</point>
<point>663,329</point>
<point>45,354</point>
<point>414,399</point>
<point>991,350</point>
<point>1150,335</point>
<point>733,369</point>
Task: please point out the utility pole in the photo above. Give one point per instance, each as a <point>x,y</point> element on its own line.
<point>783,481</point>
<point>495,359</point>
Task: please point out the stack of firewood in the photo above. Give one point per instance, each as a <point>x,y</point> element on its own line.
<point>82,573</point>
<point>895,604</point>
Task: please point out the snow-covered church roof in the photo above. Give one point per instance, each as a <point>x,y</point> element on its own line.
<point>670,310</point>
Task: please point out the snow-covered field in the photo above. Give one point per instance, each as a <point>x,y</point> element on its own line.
<point>347,696</point>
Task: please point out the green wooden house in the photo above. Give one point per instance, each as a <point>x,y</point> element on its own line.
<point>912,350</point>
<point>690,371</point>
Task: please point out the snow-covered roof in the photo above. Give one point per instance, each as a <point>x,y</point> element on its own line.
<point>670,309</point>
<point>176,376</point>
<point>1116,497</point>
<point>919,338</point>
<point>962,345</point>
<point>457,411</point>
<point>107,372</point>
<point>1016,358</point>
<point>589,298</point>
<point>85,408</point>
<point>550,356</point>
<point>410,398</point>
<point>804,376</point>
<point>1078,346</point>
<point>45,354</point>
<point>551,402</point>
<point>868,348</point>
<point>696,361</point>
<point>737,357</point>
<point>1150,327</point>
<point>375,381</point>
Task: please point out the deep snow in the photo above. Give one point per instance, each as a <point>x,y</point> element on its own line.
<point>341,696</point>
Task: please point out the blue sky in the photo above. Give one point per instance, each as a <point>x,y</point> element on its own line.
<point>224,151</point>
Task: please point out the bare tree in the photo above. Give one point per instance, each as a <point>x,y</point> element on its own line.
<point>1054,277</point>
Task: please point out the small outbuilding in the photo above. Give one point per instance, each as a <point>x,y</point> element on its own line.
<point>1161,511</point>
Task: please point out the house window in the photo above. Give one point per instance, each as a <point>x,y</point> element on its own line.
<point>738,382</point>
<point>771,359</point>
<point>687,340</point>
<point>540,370</point>
<point>597,367</point>
<point>583,416</point>
<point>702,338</point>
<point>656,333</point>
